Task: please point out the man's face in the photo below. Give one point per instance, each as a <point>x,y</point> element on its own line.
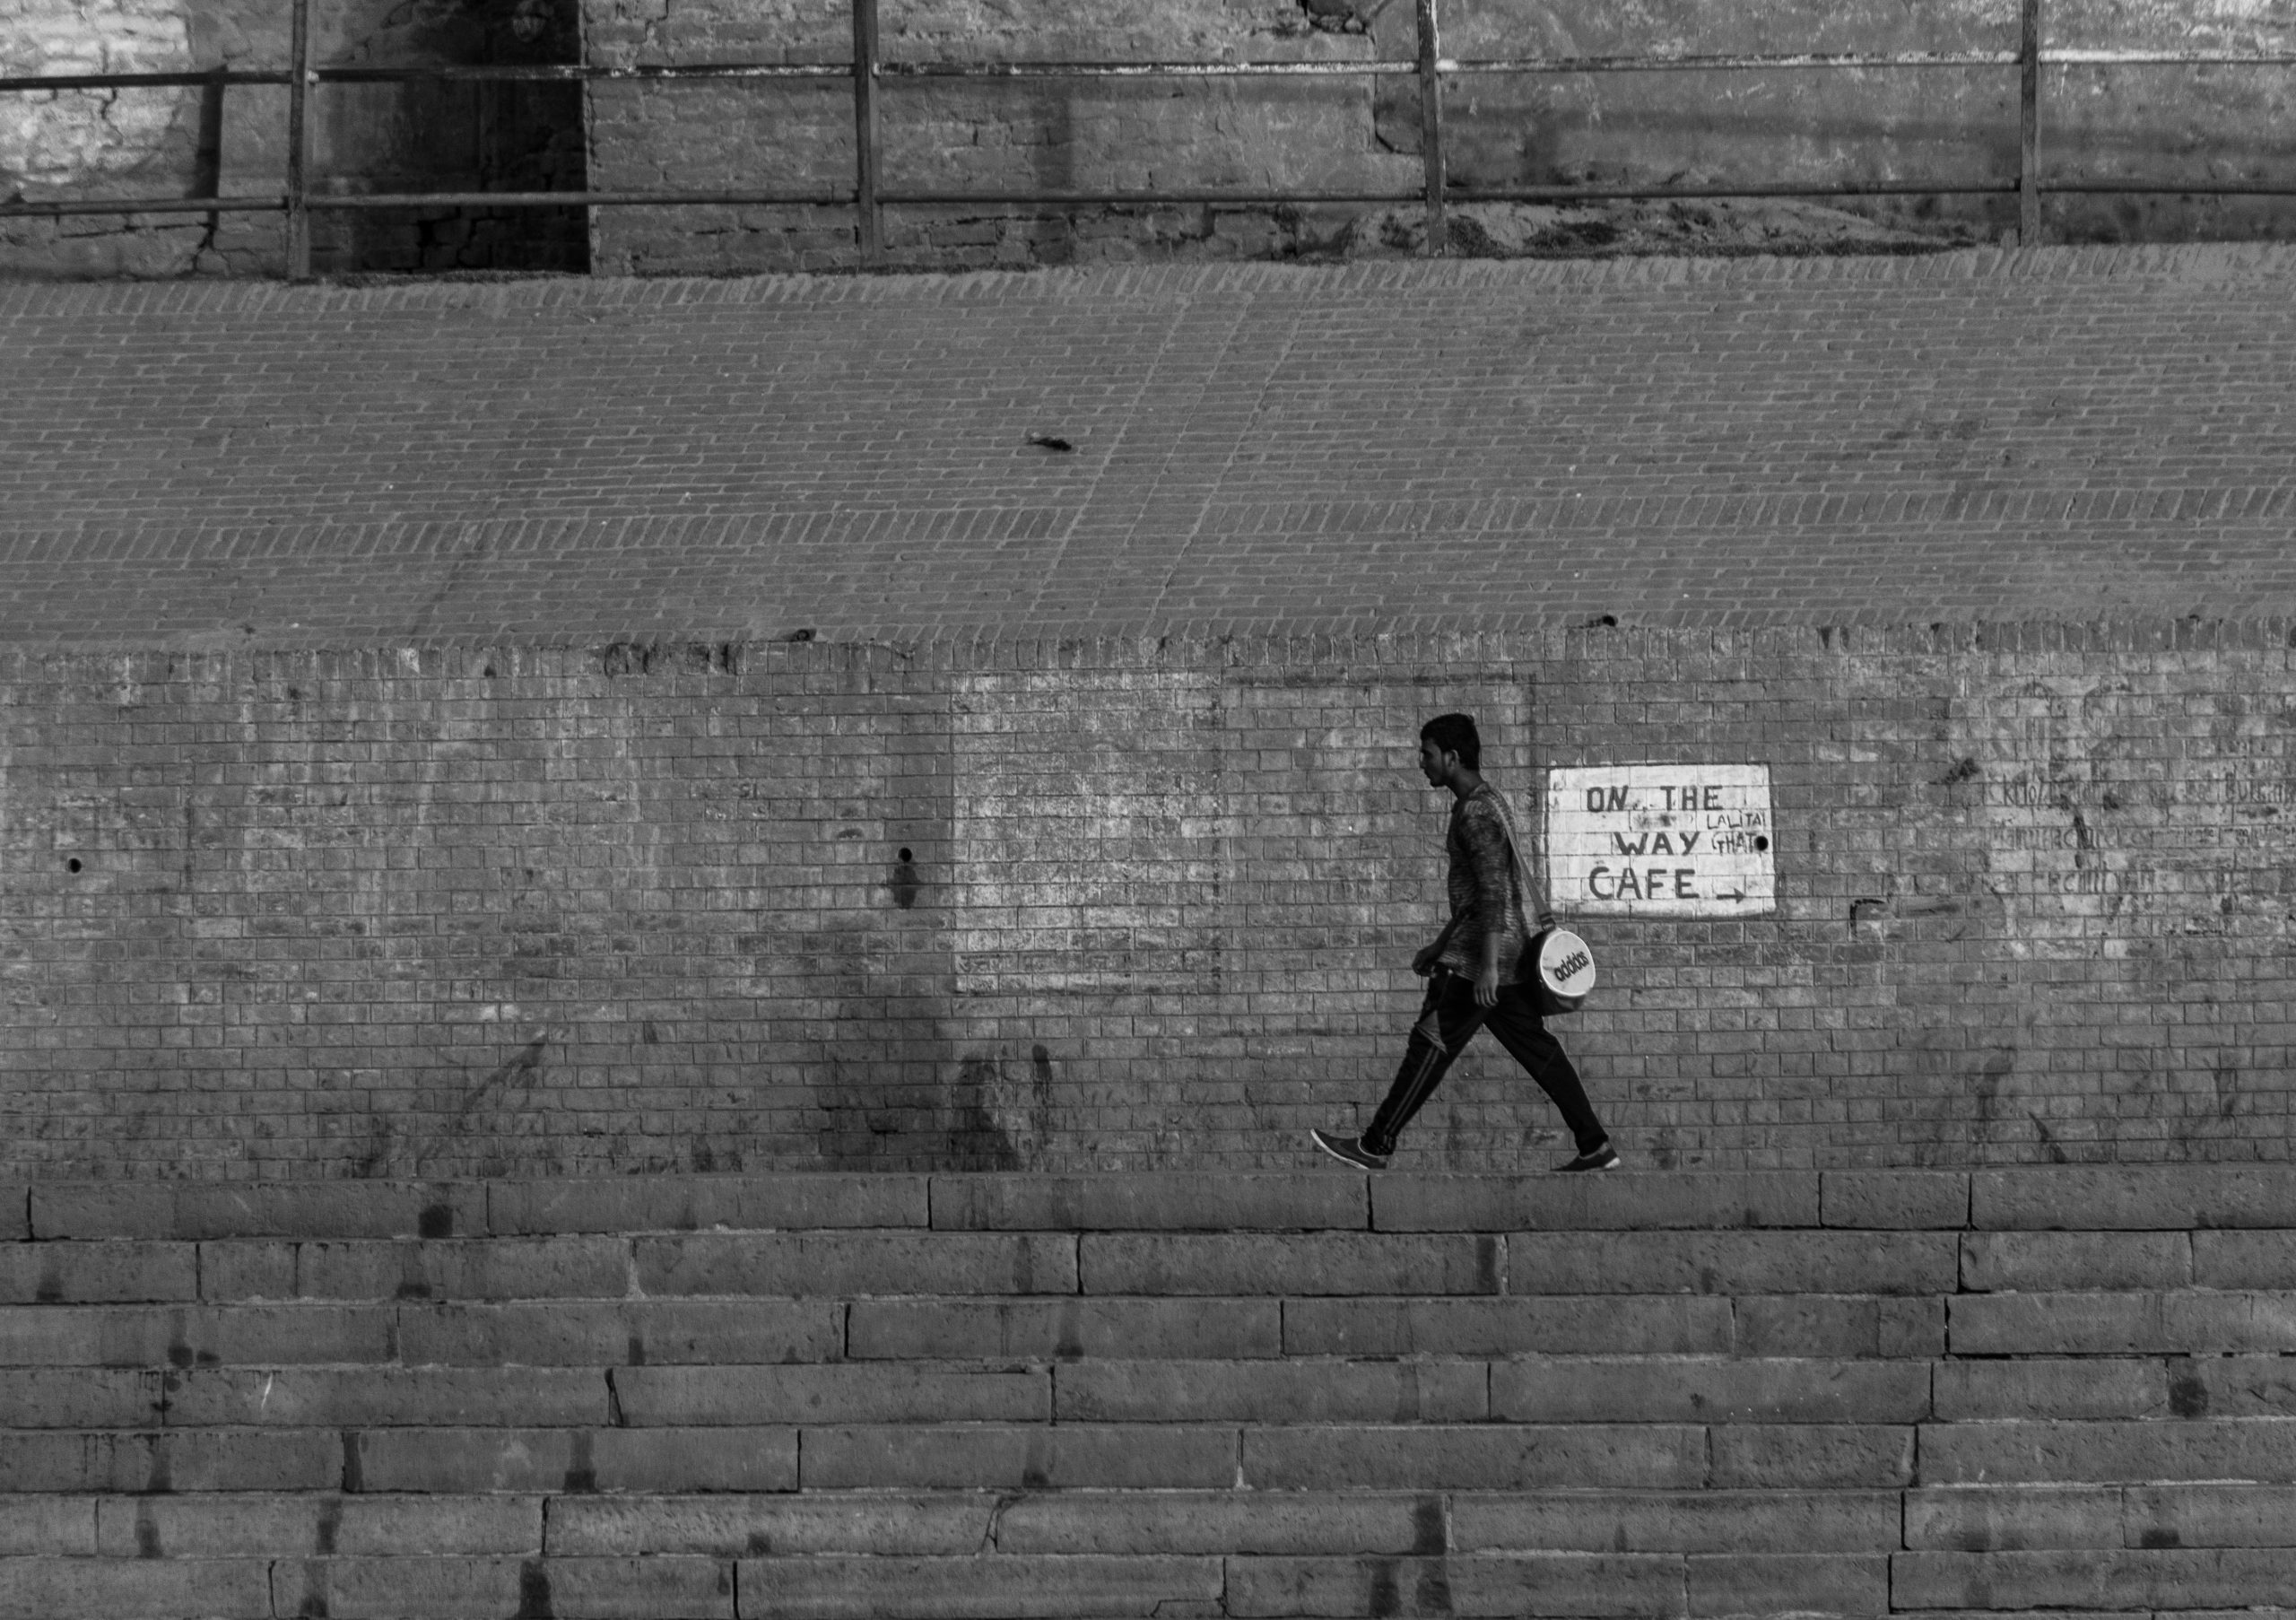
<point>1434,763</point>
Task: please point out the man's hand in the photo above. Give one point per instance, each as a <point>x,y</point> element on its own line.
<point>1423,964</point>
<point>1486,985</point>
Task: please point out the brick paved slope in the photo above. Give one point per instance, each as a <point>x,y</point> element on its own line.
<point>1852,1394</point>
<point>2059,433</point>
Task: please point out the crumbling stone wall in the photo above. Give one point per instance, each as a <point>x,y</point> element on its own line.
<point>1069,904</point>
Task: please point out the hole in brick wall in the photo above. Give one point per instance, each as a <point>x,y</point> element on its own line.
<point>905,855</point>
<point>1760,843</point>
<point>73,865</point>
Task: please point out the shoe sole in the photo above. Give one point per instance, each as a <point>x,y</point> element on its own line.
<point>1343,1158</point>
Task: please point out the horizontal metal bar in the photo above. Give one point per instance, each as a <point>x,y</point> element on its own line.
<point>1726,62</point>
<point>2157,188</point>
<point>1598,194</point>
<point>39,81</point>
<point>554,71</point>
<point>1140,70</point>
<point>583,199</point>
<point>1145,198</point>
<point>148,205</point>
<point>2168,58</point>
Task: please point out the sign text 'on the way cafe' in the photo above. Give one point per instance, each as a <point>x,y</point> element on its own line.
<point>1680,841</point>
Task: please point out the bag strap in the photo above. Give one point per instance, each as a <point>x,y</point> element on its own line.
<point>1523,872</point>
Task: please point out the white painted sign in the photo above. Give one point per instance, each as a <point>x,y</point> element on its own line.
<point>1661,841</point>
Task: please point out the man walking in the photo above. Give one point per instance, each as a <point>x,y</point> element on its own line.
<point>1471,966</point>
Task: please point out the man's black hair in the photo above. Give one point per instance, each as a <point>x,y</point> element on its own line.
<point>1455,734</point>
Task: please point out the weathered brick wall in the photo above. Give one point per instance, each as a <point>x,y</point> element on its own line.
<point>472,912</point>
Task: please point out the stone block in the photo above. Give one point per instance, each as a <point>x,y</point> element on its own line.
<point>459,1461</point>
<point>1222,1522</point>
<point>15,1213</point>
<point>194,1211</point>
<point>1891,1327</point>
<point>2121,1324</point>
<point>1783,1583</point>
<point>1681,1325</point>
<point>2104,1197</point>
<point>1066,1329</point>
<point>1894,1200</point>
<point>267,1525</point>
<point>2076,1262</point>
<point>421,1587</point>
<point>101,1209</point>
<point>97,1273</point>
<point>81,1397</point>
<point>888,1457</point>
<point>265,1335</point>
<point>843,1263</point>
<point>2254,1259</point>
<point>1271,1392</point>
<point>243,1270</point>
<point>635,1333</point>
<point>1642,1201</point>
<point>1677,1522</point>
<point>783,1526</point>
<point>1319,1263</point>
<point>192,1460</point>
<point>1531,1584</point>
<point>2209,1515</point>
<point>61,1527</point>
<point>2176,1577</point>
<point>796,1201</point>
<point>1709,1390</point>
<point>1810,1456</point>
<point>1481,1458</point>
<point>490,1269</point>
<point>2048,1452</point>
<point>2232,1386</point>
<point>1733,1262</point>
<point>1151,1201</point>
<point>390,1397</point>
<point>105,1589</point>
<point>2087,1388</point>
<point>883,1392</point>
<point>1986,1518</point>
<point>996,1586</point>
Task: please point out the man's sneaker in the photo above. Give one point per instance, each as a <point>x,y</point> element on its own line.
<point>1349,1150</point>
<point>1604,1157</point>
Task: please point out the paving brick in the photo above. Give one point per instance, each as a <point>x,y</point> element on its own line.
<point>1282,1392</point>
<point>789,1202</point>
<point>1528,1584</point>
<point>496,1268</point>
<point>2170,1578</point>
<point>988,1459</point>
<point>2042,1452</point>
<point>991,1587</point>
<point>1680,1326</point>
<point>2120,1324</point>
<point>305,1209</point>
<point>857,1263</point>
<point>883,1392</point>
<point>1895,1200</point>
<point>2069,1262</point>
<point>79,1397</point>
<point>213,1460</point>
<point>1222,1522</point>
<point>2232,1386</point>
<point>2089,1387</point>
<point>1777,1583</point>
<point>385,1396</point>
<point>636,1333</point>
<point>1803,1455</point>
<point>1327,1264</point>
<point>1631,1455</point>
<point>1062,1329</point>
<point>1894,1326</point>
<point>1709,1390</point>
<point>240,1270</point>
<point>1732,1262</point>
<point>105,1588</point>
<point>751,1526</point>
<point>1165,1200</point>
<point>418,1588</point>
<point>74,1274</point>
<point>2243,1259</point>
<point>1981,1519</point>
<point>15,1213</point>
<point>1632,1202</point>
<point>2209,1515</point>
<point>259,1525</point>
<point>2135,1197</point>
<point>655,1460</point>
<point>1677,1522</point>
<point>62,1526</point>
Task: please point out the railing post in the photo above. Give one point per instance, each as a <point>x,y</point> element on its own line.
<point>865,151</point>
<point>298,144</point>
<point>2029,125</point>
<point>1431,127</point>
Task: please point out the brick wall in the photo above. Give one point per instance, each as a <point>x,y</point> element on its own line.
<point>457,911</point>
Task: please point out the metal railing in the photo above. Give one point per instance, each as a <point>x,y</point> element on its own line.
<point>869,193</point>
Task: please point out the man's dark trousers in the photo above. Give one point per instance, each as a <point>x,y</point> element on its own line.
<point>1447,1021</point>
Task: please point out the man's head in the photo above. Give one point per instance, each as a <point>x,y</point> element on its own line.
<point>1451,735</point>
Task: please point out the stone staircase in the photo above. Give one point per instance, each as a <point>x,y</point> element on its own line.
<point>1810,1393</point>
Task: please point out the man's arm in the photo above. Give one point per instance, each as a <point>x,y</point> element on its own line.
<point>1489,858</point>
